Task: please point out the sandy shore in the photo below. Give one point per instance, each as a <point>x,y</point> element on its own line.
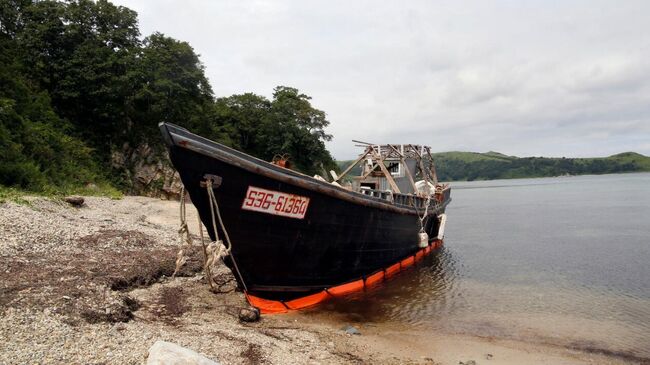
<point>92,285</point>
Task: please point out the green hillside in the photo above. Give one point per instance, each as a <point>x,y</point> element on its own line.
<point>461,166</point>
<point>634,158</point>
<point>488,166</point>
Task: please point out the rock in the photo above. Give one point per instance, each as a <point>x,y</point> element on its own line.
<point>351,330</point>
<point>75,201</point>
<point>167,353</point>
<point>148,171</point>
<point>120,327</point>
<point>488,357</point>
<point>91,186</point>
<point>249,314</point>
<point>468,362</point>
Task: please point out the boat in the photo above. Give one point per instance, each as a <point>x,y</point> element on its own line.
<point>295,240</point>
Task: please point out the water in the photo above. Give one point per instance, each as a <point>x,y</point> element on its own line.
<point>562,261</point>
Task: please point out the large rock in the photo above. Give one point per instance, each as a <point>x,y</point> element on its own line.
<point>148,171</point>
<point>75,201</point>
<point>351,330</point>
<point>167,353</point>
<point>249,314</point>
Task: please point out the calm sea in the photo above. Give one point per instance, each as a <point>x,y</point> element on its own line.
<point>561,261</point>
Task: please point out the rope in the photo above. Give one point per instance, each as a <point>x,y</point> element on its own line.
<point>214,252</point>
<point>426,211</point>
<point>183,235</point>
<point>206,267</point>
<point>220,250</point>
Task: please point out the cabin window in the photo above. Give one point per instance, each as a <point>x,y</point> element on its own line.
<point>395,168</point>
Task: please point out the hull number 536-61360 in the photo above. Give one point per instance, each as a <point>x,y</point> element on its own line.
<point>275,202</point>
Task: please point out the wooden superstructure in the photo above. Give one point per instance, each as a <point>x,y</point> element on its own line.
<point>400,168</point>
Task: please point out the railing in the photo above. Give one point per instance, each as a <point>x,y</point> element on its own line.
<point>382,194</point>
<point>408,200</point>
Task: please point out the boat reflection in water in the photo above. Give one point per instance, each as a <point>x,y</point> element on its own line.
<point>413,297</point>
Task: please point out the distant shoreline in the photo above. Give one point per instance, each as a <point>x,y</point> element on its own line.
<point>549,177</point>
<point>473,166</point>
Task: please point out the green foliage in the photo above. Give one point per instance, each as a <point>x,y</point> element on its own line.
<point>79,52</point>
<point>241,117</point>
<point>21,196</point>
<point>288,124</point>
<point>13,195</point>
<point>638,160</point>
<point>78,86</point>
<point>454,166</point>
<point>172,87</point>
<point>37,153</point>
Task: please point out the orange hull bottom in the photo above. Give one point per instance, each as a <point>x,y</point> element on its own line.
<point>275,306</point>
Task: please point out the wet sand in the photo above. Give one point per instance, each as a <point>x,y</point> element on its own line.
<point>399,343</point>
<point>92,285</point>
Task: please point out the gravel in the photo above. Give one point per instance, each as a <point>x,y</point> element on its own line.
<point>92,285</point>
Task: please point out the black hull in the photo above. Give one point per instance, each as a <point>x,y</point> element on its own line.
<point>338,240</point>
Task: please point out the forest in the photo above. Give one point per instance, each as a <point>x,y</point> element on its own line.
<point>81,91</point>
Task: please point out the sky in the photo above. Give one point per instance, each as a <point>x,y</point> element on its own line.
<point>525,78</point>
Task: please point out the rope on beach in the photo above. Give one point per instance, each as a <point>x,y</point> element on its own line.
<point>184,236</point>
<point>212,253</point>
<point>217,249</point>
<point>207,256</point>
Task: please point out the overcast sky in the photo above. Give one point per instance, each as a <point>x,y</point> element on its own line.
<point>526,78</point>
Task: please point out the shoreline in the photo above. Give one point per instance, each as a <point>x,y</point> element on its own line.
<point>417,344</point>
<point>93,285</point>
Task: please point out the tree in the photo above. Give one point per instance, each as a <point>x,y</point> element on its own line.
<point>288,124</point>
<point>295,108</point>
<point>172,87</point>
<point>297,128</point>
<point>80,53</point>
<point>244,114</point>
<point>37,151</point>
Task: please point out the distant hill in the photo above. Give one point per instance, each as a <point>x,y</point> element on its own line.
<point>461,166</point>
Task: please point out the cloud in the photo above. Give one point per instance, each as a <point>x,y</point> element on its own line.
<point>524,78</point>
